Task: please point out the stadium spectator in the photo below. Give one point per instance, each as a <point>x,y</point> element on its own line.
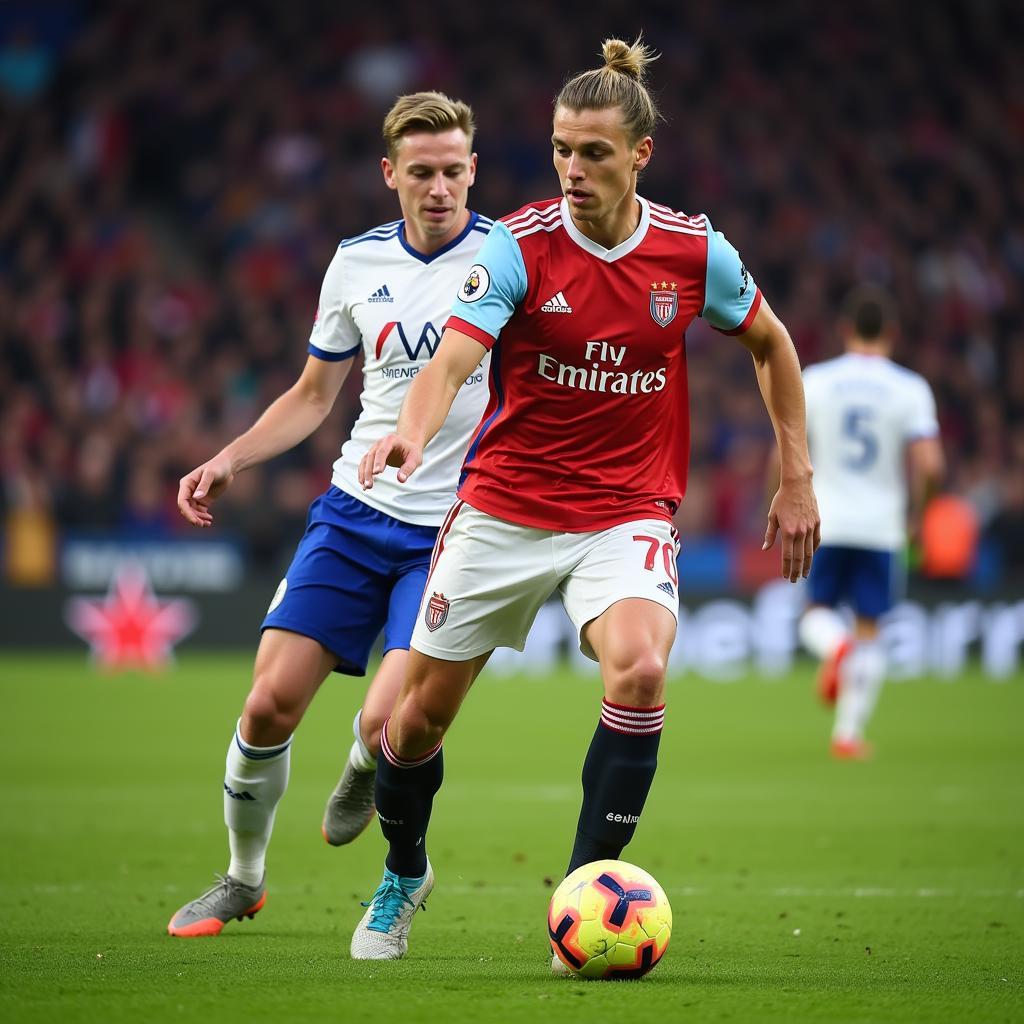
<point>176,178</point>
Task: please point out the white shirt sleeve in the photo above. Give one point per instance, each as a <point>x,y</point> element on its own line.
<point>922,418</point>
<point>334,336</point>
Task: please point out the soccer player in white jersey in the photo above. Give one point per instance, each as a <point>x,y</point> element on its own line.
<point>870,423</point>
<point>361,565</point>
<point>577,468</point>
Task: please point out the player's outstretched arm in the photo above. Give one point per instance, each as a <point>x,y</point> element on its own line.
<point>426,406</point>
<point>289,419</point>
<point>927,465</point>
<point>794,509</point>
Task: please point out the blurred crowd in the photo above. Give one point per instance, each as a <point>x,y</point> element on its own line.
<point>176,178</point>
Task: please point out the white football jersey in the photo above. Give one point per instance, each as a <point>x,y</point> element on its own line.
<point>862,411</point>
<point>383,297</point>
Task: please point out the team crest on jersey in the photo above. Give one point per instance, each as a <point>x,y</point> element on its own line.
<point>476,285</point>
<point>664,302</point>
<point>437,611</point>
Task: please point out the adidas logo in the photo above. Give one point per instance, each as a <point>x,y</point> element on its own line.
<point>244,795</point>
<point>668,588</point>
<point>556,304</point>
<point>381,295</point>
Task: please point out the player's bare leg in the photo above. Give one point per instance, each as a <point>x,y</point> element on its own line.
<point>288,672</point>
<point>863,672</point>
<point>380,698</point>
<point>430,698</point>
<point>350,807</point>
<point>632,640</point>
<point>409,773</point>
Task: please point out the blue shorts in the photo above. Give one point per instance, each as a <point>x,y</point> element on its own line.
<point>869,581</point>
<point>355,572</point>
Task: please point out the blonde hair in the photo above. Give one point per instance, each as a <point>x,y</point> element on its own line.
<point>619,83</point>
<point>425,112</point>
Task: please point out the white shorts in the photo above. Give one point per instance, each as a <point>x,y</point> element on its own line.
<point>488,578</point>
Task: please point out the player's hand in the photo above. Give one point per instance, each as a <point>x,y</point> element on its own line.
<point>794,514</point>
<point>196,490</point>
<point>392,450</point>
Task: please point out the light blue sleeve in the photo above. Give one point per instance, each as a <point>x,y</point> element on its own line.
<point>495,284</point>
<point>730,290</point>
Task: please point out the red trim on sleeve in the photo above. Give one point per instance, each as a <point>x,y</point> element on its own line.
<point>749,318</point>
<point>463,326</point>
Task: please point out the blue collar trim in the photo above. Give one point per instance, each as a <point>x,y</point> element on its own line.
<point>423,258</point>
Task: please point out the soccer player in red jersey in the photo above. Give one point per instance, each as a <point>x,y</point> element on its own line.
<point>576,469</point>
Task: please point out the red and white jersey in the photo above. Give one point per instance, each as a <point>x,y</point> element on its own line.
<point>587,423</point>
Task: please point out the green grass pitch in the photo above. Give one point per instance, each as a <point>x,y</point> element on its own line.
<point>803,889</point>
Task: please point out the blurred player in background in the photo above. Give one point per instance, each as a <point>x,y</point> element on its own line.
<point>362,563</point>
<point>572,479</point>
<point>870,425</point>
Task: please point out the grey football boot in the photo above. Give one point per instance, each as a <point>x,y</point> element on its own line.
<point>350,807</point>
<point>207,914</point>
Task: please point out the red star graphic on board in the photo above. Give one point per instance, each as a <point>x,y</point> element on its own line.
<point>131,627</point>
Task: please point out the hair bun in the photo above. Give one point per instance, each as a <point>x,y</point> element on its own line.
<point>625,59</point>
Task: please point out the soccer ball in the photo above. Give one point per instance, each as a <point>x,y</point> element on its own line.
<point>609,919</point>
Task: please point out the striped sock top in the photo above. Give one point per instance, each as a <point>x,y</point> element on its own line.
<point>633,721</point>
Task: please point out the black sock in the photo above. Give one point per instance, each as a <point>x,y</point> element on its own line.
<point>404,794</point>
<point>617,776</point>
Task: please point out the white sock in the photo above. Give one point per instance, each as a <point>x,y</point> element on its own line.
<point>359,756</point>
<point>822,630</point>
<point>255,779</point>
<point>863,672</point>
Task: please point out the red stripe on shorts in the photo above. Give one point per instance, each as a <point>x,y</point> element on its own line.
<point>449,521</point>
